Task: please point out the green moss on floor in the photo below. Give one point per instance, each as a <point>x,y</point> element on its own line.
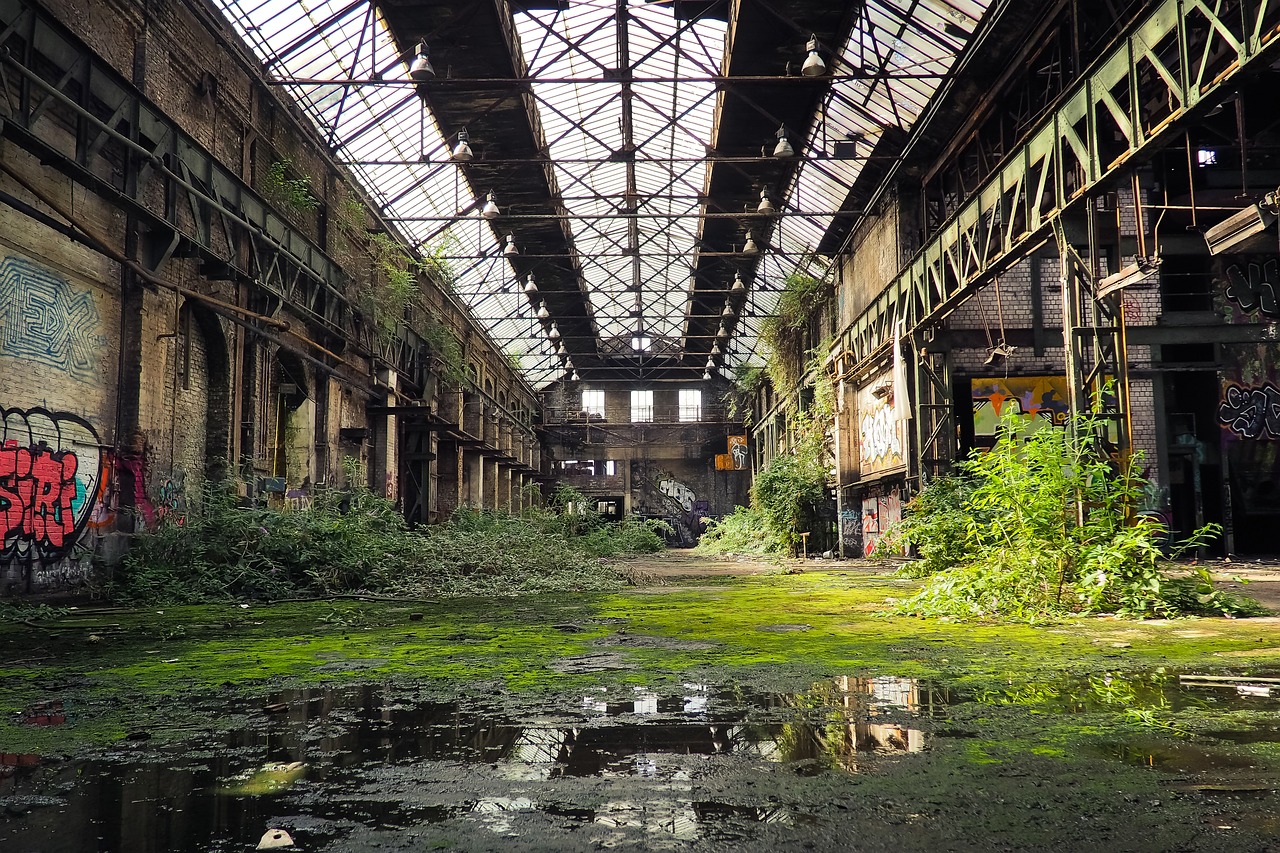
<point>120,671</point>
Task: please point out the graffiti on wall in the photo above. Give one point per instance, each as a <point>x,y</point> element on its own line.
<point>879,429</point>
<point>736,457</point>
<point>879,513</point>
<point>50,476</point>
<point>851,530</point>
<point>1251,412</point>
<point>678,492</point>
<point>656,493</point>
<point>1252,285</point>
<point>42,319</point>
<point>1039,400</point>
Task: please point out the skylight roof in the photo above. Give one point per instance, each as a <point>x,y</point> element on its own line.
<point>629,158</point>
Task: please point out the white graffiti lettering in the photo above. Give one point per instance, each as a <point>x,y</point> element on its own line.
<point>678,492</point>
<point>878,435</point>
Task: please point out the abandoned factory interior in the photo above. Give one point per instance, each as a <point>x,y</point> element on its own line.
<point>464,253</point>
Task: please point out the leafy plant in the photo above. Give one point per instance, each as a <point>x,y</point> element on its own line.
<point>1040,526</point>
<point>783,334</point>
<point>353,541</point>
<point>279,186</point>
<point>742,531</point>
<point>748,380</point>
<point>447,351</point>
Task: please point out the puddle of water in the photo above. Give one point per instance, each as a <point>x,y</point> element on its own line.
<point>338,764</point>
<point>1174,756</point>
<point>1157,690</point>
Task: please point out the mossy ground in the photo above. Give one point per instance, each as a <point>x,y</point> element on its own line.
<point>1041,736</point>
<point>118,671</point>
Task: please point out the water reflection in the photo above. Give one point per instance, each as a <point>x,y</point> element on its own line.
<point>346,760</point>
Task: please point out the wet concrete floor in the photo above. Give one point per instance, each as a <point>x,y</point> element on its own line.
<point>1156,759</point>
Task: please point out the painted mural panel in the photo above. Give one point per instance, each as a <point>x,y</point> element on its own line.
<point>43,319</point>
<point>1039,400</point>
<point>51,482</point>
<point>736,457</point>
<point>879,513</point>
<point>880,433</point>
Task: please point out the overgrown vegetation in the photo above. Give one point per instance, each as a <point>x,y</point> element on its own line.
<point>783,334</point>
<point>392,287</point>
<point>747,382</point>
<point>355,541</point>
<point>447,351</point>
<point>280,186</point>
<point>1040,526</point>
<point>789,492</point>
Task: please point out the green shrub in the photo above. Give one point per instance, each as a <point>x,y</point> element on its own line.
<point>1041,526</point>
<point>742,531</point>
<point>358,542</point>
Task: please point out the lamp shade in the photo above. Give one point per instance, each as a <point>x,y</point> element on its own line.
<point>766,208</point>
<point>421,68</point>
<point>783,148</point>
<point>510,249</point>
<point>490,209</point>
<point>462,151</point>
<point>813,64</point>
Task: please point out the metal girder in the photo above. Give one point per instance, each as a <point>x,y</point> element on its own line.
<point>1093,334</point>
<point>1181,58</point>
<point>209,210</point>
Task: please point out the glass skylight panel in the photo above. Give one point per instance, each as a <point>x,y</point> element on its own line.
<point>914,44</point>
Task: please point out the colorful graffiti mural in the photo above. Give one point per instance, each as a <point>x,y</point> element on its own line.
<point>42,319</point>
<point>1251,412</point>
<point>1039,400</point>
<point>736,457</point>
<point>879,513</point>
<point>50,475</point>
<point>879,428</point>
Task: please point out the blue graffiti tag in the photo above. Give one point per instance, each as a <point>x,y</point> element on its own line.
<point>42,319</point>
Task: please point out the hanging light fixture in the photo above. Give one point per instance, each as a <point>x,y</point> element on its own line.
<point>543,313</point>
<point>715,348</point>
<point>722,332</point>
<point>813,64</point>
<point>554,332</point>
<point>739,287</point>
<point>462,151</point>
<point>728,312</point>
<point>510,249</point>
<point>490,209</point>
<point>711,363</point>
<point>530,287</point>
<point>750,247</point>
<point>766,207</point>
<point>421,68</point>
<point>706,374</point>
<point>783,148</point>
<point>574,376</point>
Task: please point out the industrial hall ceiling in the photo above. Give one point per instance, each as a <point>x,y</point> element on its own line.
<point>643,175</point>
